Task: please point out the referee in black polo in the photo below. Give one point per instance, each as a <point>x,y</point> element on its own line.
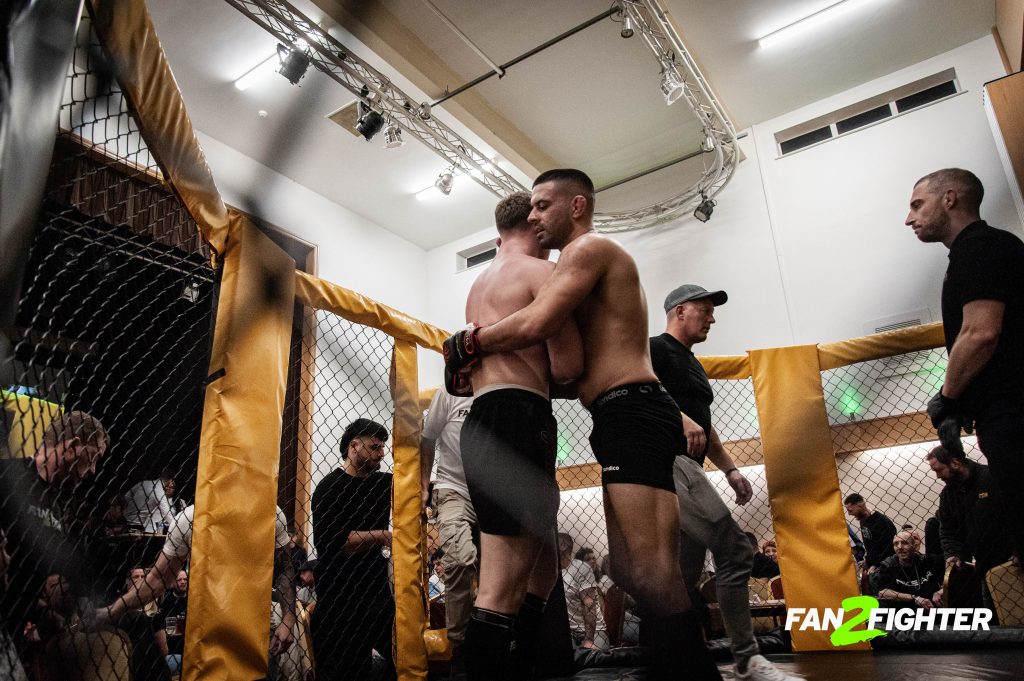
<point>983,316</point>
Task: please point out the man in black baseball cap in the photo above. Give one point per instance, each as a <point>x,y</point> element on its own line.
<point>704,520</point>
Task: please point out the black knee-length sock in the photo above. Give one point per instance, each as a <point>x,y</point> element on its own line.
<point>678,649</point>
<point>528,626</point>
<point>490,640</point>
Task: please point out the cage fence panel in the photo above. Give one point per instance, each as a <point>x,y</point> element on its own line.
<point>112,342</point>
<point>882,438</point>
<point>339,374</point>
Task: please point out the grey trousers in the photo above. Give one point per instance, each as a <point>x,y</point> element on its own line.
<point>706,524</point>
<point>455,522</point>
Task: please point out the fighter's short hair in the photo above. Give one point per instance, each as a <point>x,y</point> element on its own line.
<point>577,180</point>
<point>512,211</point>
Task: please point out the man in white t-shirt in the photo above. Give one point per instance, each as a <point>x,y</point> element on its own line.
<point>456,519</point>
<point>582,599</point>
<point>148,504</point>
<point>172,558</point>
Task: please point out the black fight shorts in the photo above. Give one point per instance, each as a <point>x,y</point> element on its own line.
<point>508,447</point>
<point>637,435</point>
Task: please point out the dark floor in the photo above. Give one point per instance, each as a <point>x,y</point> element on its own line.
<point>974,665</point>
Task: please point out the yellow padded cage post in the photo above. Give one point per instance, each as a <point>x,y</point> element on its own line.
<point>803,485</point>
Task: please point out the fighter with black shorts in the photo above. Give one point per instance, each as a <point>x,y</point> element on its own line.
<point>619,415</point>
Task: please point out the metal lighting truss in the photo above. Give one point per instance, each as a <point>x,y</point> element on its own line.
<point>289,26</point>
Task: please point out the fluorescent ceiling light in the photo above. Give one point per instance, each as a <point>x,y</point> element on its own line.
<point>811,22</point>
<point>256,73</point>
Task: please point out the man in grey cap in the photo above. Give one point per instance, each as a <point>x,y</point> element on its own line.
<point>704,519</point>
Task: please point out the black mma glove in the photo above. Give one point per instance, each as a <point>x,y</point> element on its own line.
<point>941,408</point>
<point>461,350</point>
<point>458,383</point>
<point>947,418</point>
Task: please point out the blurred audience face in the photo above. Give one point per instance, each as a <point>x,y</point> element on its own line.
<point>439,569</point>
<point>306,577</point>
<point>858,510</point>
<point>771,550</point>
<point>954,472</point>
<point>181,583</point>
<point>57,593</point>
<point>170,487</point>
<point>905,545</point>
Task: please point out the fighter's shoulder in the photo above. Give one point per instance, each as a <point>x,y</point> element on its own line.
<point>592,245</point>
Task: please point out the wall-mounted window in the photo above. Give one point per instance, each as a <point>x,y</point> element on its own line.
<point>868,112</point>
<point>475,255</point>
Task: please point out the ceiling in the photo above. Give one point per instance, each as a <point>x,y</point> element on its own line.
<point>590,101</point>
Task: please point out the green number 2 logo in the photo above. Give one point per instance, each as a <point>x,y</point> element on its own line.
<point>844,635</point>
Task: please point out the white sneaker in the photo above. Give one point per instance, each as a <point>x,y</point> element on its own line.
<point>760,669</point>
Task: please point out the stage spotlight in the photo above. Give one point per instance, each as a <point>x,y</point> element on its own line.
<point>393,136</point>
<point>370,122</point>
<point>627,27</point>
<point>294,63</point>
<point>445,181</point>
<point>704,209</point>
<point>671,85</point>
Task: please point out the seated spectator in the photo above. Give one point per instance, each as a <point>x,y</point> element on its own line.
<point>174,606</point>
<point>909,576</point>
<point>587,555</point>
<point>306,582</point>
<point>763,567</point>
<point>586,622</point>
<point>114,523</point>
<point>148,504</point>
<point>876,529</point>
<point>171,559</point>
<point>972,521</point>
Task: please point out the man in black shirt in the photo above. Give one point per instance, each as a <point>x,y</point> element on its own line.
<point>972,522</point>
<point>351,506</point>
<point>704,520</point>
<point>983,319</point>
<point>34,513</point>
<point>876,530</point>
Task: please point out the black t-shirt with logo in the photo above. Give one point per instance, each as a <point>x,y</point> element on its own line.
<point>685,380</point>
<point>988,264</point>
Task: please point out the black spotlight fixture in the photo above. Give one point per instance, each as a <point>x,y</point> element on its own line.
<point>370,122</point>
<point>294,63</point>
<point>704,209</point>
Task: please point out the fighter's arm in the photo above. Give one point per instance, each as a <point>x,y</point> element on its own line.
<point>577,272</point>
<point>565,353</point>
<point>723,461</point>
<point>974,345</point>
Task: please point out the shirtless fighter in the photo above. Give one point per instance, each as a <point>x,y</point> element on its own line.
<point>637,431</point>
<point>508,452</point>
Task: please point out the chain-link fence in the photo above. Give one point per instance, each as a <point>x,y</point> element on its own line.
<point>102,420</point>
<point>892,485</point>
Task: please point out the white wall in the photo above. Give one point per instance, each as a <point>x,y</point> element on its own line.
<point>353,251</point>
<point>811,246</point>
